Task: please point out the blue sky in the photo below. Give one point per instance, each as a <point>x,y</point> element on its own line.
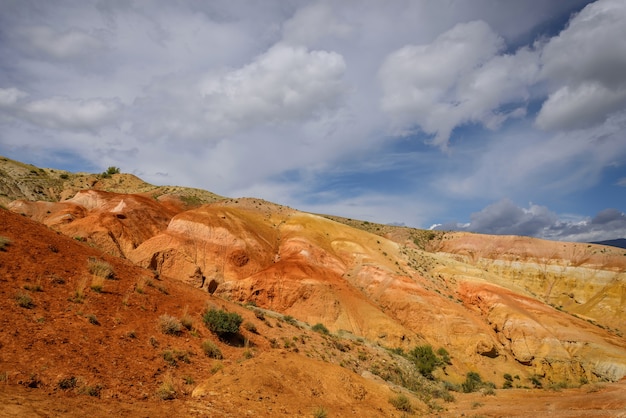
<point>503,117</point>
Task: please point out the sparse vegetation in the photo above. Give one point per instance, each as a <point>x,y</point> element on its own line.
<point>250,327</point>
<point>79,292</point>
<point>320,412</point>
<point>167,390</point>
<point>4,243</point>
<point>473,383</point>
<point>211,350</point>
<point>101,268</point>
<point>290,320</point>
<point>170,325</point>
<point>222,323</point>
<point>401,403</point>
<point>110,171</point>
<point>319,327</point>
<point>172,357</point>
<point>97,284</point>
<point>24,300</point>
<point>424,359</point>
<point>67,383</point>
<point>93,319</point>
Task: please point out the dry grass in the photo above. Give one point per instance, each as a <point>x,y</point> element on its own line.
<point>170,325</point>
<point>101,268</point>
<point>167,389</point>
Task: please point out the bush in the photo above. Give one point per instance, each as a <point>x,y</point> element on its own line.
<point>211,350</point>
<point>170,325</point>
<point>222,323</point>
<point>401,403</point>
<point>24,300</point>
<point>319,327</point>
<point>424,359</point>
<point>472,383</point>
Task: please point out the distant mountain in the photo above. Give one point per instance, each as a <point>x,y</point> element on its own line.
<point>619,243</point>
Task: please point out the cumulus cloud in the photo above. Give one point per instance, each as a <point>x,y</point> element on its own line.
<point>286,84</point>
<point>460,77</point>
<point>586,63</point>
<point>60,112</point>
<point>506,218</point>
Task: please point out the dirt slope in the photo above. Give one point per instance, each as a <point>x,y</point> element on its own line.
<point>551,314</point>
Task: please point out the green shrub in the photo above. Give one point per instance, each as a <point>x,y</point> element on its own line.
<point>424,359</point>
<point>211,350</point>
<point>472,383</point>
<point>222,323</point>
<point>319,327</point>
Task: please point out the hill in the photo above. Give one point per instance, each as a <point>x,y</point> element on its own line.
<point>550,314</point>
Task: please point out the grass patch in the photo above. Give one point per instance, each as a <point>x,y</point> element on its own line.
<point>172,357</point>
<point>166,391</point>
<point>170,325</point>
<point>100,268</point>
<point>24,300</point>
<point>320,412</point>
<point>79,292</point>
<point>401,403</point>
<point>211,350</point>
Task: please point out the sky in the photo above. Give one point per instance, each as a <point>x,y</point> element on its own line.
<point>492,116</point>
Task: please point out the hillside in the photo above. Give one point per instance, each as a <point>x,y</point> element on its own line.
<point>549,313</point>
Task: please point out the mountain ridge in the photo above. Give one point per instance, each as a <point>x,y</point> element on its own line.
<point>500,306</point>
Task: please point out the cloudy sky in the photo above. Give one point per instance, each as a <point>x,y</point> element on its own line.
<point>497,116</point>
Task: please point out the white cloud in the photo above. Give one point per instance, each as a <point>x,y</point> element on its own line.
<point>586,63</point>
<point>64,44</point>
<point>285,84</point>
<point>458,78</point>
<point>314,22</point>
<point>580,106</point>
<point>9,97</point>
<point>72,114</point>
